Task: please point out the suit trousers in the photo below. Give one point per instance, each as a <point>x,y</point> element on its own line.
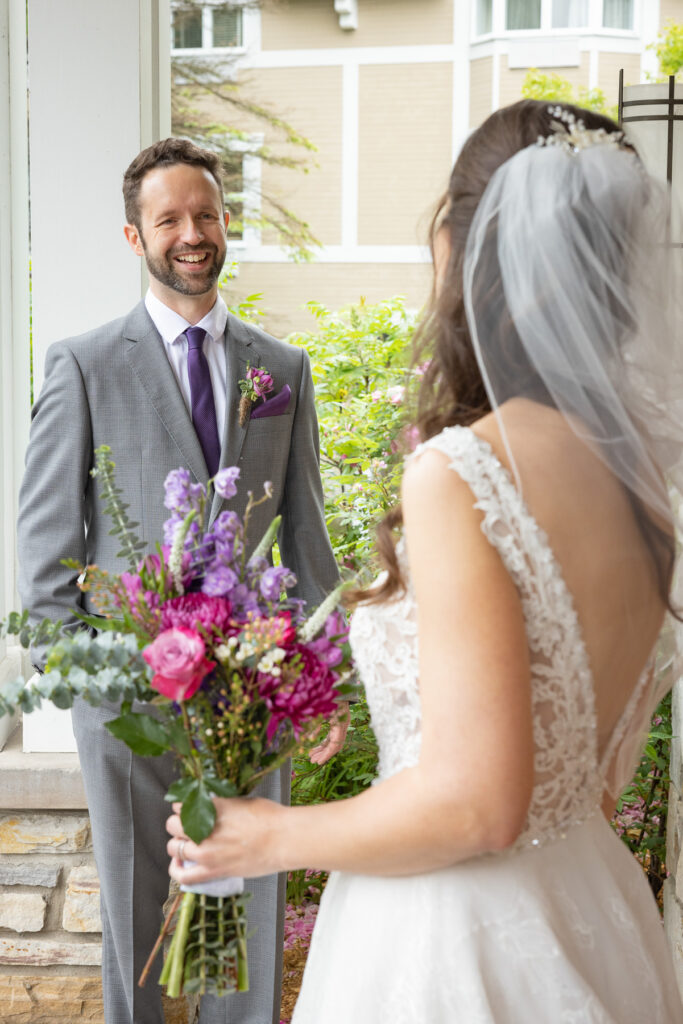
<point>128,812</point>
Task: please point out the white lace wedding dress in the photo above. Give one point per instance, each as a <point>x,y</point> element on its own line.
<point>559,929</point>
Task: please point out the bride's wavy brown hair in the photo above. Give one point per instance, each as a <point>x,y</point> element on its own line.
<point>452,390</point>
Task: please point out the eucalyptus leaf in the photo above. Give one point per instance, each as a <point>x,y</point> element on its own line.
<point>62,697</point>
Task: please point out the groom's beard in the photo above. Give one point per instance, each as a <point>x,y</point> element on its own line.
<point>165,270</point>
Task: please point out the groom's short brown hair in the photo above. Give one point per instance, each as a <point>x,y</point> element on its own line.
<point>165,153</point>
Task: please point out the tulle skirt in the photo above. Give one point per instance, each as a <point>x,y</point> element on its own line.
<point>564,933</point>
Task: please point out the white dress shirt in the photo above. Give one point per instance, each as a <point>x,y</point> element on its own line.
<point>171,326</point>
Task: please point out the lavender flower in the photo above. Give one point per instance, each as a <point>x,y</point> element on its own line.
<point>227,523</point>
<point>220,582</point>
<point>244,599</point>
<point>180,494</point>
<point>273,580</point>
<point>170,527</point>
<point>224,482</point>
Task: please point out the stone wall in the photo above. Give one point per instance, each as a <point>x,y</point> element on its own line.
<point>50,941</point>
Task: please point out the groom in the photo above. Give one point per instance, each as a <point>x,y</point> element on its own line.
<point>161,387</point>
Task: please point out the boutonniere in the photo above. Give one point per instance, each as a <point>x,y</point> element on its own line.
<point>257,385</point>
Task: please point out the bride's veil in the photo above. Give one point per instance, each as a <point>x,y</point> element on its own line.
<point>574,295</point>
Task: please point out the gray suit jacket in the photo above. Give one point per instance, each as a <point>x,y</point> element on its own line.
<point>115,386</point>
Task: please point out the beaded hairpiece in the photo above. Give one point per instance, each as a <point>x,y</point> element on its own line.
<point>571,134</point>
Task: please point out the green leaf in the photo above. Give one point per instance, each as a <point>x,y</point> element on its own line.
<point>178,737</point>
<point>100,623</point>
<point>142,733</point>
<point>180,790</point>
<point>220,787</point>
<point>198,814</point>
<point>265,544</point>
<point>62,697</point>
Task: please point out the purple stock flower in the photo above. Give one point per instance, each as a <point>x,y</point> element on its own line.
<point>244,599</point>
<point>194,610</point>
<point>256,568</point>
<point>273,580</point>
<point>220,581</point>
<point>172,524</point>
<point>227,524</point>
<point>224,482</point>
<point>181,495</point>
<point>170,527</point>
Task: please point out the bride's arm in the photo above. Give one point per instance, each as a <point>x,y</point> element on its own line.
<point>470,791</point>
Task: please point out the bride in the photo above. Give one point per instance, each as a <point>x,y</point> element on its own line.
<point>508,651</point>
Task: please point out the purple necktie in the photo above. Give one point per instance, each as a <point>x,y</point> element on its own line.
<point>201,396</point>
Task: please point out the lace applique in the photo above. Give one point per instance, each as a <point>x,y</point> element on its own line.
<point>385,648</point>
<point>567,784</point>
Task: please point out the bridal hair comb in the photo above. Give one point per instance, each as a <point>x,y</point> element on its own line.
<point>571,134</point>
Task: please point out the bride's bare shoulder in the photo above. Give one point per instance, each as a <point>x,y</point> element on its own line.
<point>543,444</point>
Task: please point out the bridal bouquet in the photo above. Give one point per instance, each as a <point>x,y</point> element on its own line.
<point>237,680</point>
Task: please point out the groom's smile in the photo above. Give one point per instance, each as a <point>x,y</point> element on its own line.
<point>181,231</point>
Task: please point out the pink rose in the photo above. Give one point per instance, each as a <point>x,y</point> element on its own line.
<point>178,657</point>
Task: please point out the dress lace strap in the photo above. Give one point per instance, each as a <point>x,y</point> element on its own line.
<point>568,784</point>
<point>511,528</point>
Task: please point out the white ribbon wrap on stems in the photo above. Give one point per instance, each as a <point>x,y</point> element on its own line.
<point>216,886</point>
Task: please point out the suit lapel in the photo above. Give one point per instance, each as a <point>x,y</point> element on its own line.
<point>240,351</point>
<point>149,362</point>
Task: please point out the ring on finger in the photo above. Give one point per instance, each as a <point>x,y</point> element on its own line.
<point>180,853</point>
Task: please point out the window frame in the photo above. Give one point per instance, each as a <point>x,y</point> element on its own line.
<point>207,48</point>
<point>250,195</point>
<point>594,25</point>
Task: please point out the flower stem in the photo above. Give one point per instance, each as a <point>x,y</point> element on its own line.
<point>242,963</point>
<point>162,935</point>
<point>177,952</point>
<point>202,940</point>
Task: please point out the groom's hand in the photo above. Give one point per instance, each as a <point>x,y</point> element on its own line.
<point>334,741</point>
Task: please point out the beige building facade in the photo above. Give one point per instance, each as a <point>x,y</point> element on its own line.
<point>388,90</point>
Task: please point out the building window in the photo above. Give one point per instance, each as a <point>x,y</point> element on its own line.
<point>618,14</point>
<point>484,16</point>
<point>570,13</point>
<point>227,27</point>
<point>523,14</point>
<point>187,29</point>
<point>234,202</point>
<point>207,27</point>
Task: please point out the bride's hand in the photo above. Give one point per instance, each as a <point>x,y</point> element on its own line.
<point>242,842</point>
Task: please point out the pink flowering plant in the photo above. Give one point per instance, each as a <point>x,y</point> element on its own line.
<point>239,680</point>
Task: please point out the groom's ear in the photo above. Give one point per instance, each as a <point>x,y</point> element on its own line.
<point>227,219</point>
<point>133,238</point>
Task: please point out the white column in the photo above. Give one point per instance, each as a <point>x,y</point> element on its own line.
<point>649,30</point>
<point>462,33</point>
<point>14,306</point>
<point>100,92</point>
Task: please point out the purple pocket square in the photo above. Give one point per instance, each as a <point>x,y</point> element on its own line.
<point>274,406</point>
